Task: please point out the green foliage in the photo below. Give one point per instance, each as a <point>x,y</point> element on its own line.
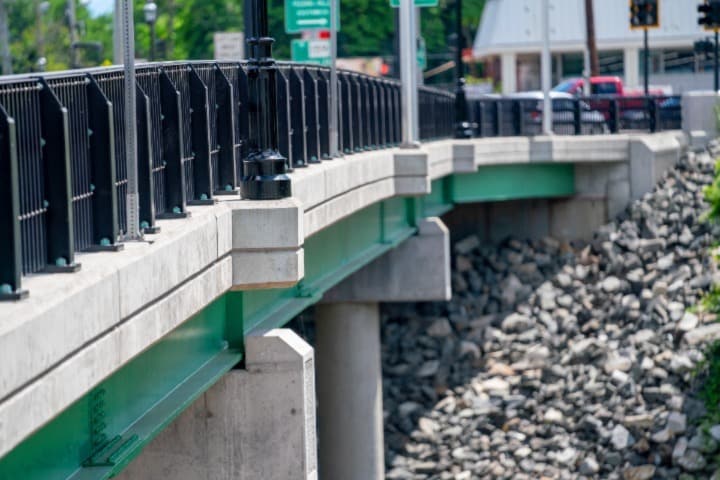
<point>709,391</point>
<point>184,30</point>
<point>712,195</point>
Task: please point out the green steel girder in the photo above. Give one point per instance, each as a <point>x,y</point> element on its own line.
<point>102,431</point>
<point>513,182</point>
<point>98,435</point>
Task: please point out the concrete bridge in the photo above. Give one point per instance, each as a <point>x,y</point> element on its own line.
<point>166,358</point>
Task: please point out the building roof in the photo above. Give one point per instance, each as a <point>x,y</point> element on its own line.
<point>514,26</point>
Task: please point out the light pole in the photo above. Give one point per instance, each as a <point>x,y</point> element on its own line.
<point>463,128</point>
<point>150,11</point>
<point>264,170</point>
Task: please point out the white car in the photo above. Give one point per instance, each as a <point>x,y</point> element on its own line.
<point>592,121</point>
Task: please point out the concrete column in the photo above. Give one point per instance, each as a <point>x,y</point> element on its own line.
<point>631,65</point>
<point>508,72</point>
<point>257,423</point>
<point>349,385</point>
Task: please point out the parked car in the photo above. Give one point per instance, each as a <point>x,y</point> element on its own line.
<point>563,104</point>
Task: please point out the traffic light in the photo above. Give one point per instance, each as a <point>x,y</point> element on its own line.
<point>644,14</point>
<point>709,12</point>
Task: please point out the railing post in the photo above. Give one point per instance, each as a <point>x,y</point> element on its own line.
<point>577,116</point>
<point>145,168</point>
<point>284,122</point>
<point>225,114</point>
<point>517,112</point>
<point>653,114</point>
<point>58,193</point>
<point>200,132</point>
<point>614,114</point>
<point>175,192</point>
<point>264,171</point>
<point>298,123</point>
<point>11,258</point>
<point>498,130</point>
<point>312,118</point>
<point>106,227</point>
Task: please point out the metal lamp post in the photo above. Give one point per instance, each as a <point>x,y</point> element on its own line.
<point>463,128</point>
<point>150,11</point>
<point>264,171</point>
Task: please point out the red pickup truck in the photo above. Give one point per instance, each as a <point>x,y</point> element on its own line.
<point>603,85</point>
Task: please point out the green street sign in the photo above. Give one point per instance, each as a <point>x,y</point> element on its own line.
<point>311,51</point>
<point>418,3</point>
<point>421,54</point>
<point>303,15</point>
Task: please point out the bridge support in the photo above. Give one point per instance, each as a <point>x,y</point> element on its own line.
<point>254,423</point>
<point>350,414</point>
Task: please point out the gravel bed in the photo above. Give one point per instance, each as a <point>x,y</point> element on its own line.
<point>562,360</point>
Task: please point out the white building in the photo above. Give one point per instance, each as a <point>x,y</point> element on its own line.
<point>509,43</point>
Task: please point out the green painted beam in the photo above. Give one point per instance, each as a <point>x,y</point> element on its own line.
<point>513,182</point>
<point>102,431</point>
<point>439,201</point>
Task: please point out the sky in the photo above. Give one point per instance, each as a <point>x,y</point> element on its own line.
<point>101,6</point>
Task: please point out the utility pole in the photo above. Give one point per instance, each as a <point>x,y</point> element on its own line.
<point>545,66</point>
<point>5,39</point>
<point>591,42</point>
<point>408,75</point>
<point>72,25</point>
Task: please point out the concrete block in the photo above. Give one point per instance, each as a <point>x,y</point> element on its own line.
<point>698,140</point>
<point>618,197</point>
<point>257,423</point>
<point>412,186</point>
<point>463,156</point>
<point>592,179</point>
<point>541,149</point>
<point>397,276</point>
<point>411,163</point>
<point>576,218</point>
<point>256,269</point>
<point>698,113</point>
<point>33,405</point>
<point>650,157</point>
<point>267,224</point>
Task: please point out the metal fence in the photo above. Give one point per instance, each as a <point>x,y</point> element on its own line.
<point>63,177</point>
<point>507,116</point>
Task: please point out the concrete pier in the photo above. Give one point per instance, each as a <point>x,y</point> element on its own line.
<point>349,385</point>
<point>256,423</point>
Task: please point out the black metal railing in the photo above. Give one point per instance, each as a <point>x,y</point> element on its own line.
<point>62,142</point>
<point>62,147</point>
<point>508,116</point>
